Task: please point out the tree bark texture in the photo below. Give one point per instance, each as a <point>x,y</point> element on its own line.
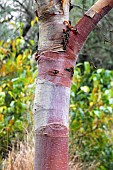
<point>58,49</point>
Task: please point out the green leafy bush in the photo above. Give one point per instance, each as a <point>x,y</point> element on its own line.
<point>91,115</point>
<point>17,75</point>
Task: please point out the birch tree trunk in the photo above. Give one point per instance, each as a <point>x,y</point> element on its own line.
<point>58,49</point>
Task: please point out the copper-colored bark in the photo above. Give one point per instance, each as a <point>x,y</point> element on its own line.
<point>57,67</point>
<point>52,148</point>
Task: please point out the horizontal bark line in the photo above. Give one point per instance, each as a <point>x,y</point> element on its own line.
<point>51,34</point>
<point>53,130</point>
<point>53,7</point>
<point>55,101</point>
<point>57,68</point>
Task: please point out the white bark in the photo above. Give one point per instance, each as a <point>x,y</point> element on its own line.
<point>51,104</point>
<point>52,15</point>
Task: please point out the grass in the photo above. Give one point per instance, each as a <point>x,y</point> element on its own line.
<point>23,158</point>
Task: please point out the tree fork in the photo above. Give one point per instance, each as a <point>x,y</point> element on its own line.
<point>58,49</point>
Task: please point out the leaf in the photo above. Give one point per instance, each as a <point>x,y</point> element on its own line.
<point>36,19</point>
<point>97,113</point>
<point>19,60</point>
<point>1,117</point>
<point>15,79</point>
<point>87,67</point>
<point>32,23</point>
<point>86,89</point>
<point>32,42</point>
<point>111,83</point>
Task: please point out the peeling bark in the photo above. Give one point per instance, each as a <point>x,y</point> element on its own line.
<point>51,107</point>
<point>51,17</point>
<point>59,46</point>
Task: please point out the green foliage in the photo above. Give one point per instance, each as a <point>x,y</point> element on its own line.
<point>17,75</point>
<point>91,115</point>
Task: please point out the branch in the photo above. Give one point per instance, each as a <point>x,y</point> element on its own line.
<point>2,6</point>
<point>80,32</point>
<point>6,20</point>
<point>75,6</point>
<point>26,29</point>
<point>26,9</point>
